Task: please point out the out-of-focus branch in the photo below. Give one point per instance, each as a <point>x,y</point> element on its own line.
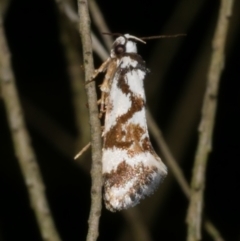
<point>194,217</point>
<point>99,49</point>
<point>4,7</point>
<point>100,23</point>
<point>211,229</point>
<point>23,149</point>
<point>171,162</point>
<point>49,128</point>
<point>176,170</point>
<point>96,171</point>
<point>136,224</point>
<point>65,8</point>
<point>165,52</point>
<point>72,48</point>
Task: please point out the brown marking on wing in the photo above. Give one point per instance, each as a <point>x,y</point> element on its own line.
<point>124,173</point>
<point>115,136</point>
<point>122,82</point>
<point>147,146</point>
<point>138,58</point>
<point>123,135</point>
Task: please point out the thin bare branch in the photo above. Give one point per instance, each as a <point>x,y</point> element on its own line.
<point>211,229</point>
<point>85,148</point>
<point>22,145</point>
<point>96,171</point>
<point>194,217</point>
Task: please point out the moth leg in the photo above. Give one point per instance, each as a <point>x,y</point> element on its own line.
<point>104,95</point>
<point>102,104</point>
<point>101,69</point>
<point>105,86</point>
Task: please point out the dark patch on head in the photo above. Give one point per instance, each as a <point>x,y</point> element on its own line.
<point>119,49</point>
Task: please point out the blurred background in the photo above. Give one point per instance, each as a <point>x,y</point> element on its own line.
<point>47,63</point>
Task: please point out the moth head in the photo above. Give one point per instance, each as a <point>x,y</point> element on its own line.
<point>125,44</point>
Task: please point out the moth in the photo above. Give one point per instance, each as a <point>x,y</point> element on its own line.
<point>131,168</point>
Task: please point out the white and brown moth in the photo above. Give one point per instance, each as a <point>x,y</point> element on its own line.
<point>131,168</point>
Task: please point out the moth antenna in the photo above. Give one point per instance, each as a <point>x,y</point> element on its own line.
<point>135,38</point>
<point>164,36</point>
<point>127,36</point>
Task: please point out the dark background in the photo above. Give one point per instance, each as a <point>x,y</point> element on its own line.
<point>33,33</point>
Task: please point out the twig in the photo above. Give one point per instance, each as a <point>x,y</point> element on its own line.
<point>96,171</point>
<point>212,230</point>
<point>23,149</point>
<point>177,172</point>
<point>85,148</point>
<point>194,217</point>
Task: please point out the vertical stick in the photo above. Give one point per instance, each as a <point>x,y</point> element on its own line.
<point>96,171</point>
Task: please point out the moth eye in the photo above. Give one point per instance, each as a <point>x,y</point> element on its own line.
<point>119,49</point>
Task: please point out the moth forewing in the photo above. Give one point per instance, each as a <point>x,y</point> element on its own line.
<point>131,168</point>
